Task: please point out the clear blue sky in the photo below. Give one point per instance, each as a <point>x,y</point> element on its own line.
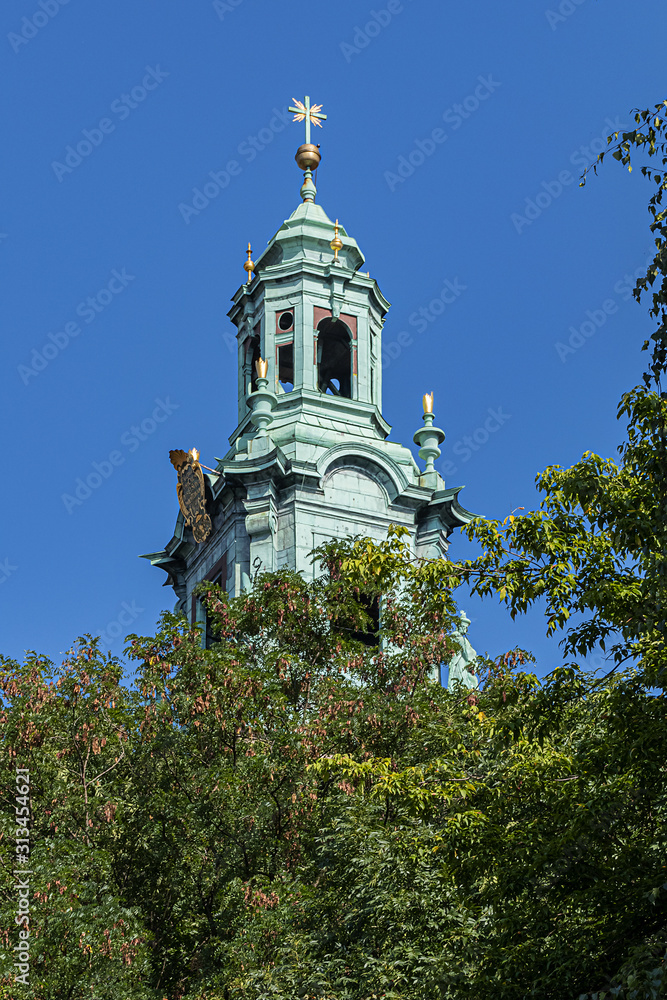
<point>170,92</point>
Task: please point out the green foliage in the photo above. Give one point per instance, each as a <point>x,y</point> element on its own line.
<point>176,829</point>
<point>70,728</point>
<point>296,813</point>
<point>596,550</point>
<point>648,143</point>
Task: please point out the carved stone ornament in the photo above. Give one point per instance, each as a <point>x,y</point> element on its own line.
<point>192,492</point>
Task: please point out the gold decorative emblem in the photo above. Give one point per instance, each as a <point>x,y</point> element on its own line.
<point>307,112</point>
<point>192,492</point>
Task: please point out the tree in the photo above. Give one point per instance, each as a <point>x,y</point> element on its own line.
<point>68,732</point>
<point>296,812</point>
<point>175,827</point>
<point>302,811</point>
<point>648,142</point>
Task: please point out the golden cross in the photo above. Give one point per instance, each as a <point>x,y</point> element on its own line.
<point>308,113</point>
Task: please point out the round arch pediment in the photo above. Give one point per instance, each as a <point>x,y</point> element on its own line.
<point>364,459</point>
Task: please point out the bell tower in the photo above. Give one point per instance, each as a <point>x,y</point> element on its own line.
<point>310,458</point>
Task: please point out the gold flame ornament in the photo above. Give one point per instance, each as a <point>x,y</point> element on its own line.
<point>191,492</point>
<point>336,243</point>
<point>427,400</point>
<point>249,265</point>
<point>261,367</point>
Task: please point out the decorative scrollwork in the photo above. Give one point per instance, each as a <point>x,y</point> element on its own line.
<point>191,492</point>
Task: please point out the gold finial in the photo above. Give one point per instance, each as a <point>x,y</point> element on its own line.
<point>249,265</point>
<point>427,400</point>
<point>195,454</point>
<point>307,155</point>
<point>336,243</point>
<point>261,367</point>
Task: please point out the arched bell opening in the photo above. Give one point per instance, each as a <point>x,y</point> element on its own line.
<point>285,353</point>
<point>252,354</point>
<point>334,358</point>
<point>285,350</point>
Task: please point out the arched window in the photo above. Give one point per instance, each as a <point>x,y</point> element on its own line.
<point>334,358</point>
<point>285,350</point>
<point>199,614</point>
<point>252,354</point>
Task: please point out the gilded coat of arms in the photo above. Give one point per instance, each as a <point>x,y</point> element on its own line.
<point>192,492</point>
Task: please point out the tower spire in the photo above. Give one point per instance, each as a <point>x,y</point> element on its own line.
<point>310,457</point>
<point>307,155</point>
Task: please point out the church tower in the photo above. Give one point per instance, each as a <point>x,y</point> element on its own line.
<point>310,458</point>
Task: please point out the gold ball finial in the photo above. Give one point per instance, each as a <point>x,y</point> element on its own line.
<point>249,265</point>
<point>427,400</point>
<point>336,243</point>
<point>308,156</point>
